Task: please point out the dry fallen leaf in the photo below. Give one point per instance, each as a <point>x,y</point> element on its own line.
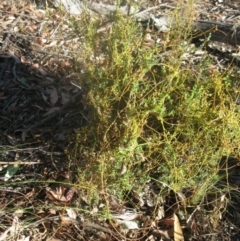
<point>51,111</point>
<point>71,213</point>
<point>127,224</point>
<point>38,107</point>
<point>42,71</point>
<point>178,234</point>
<point>39,13</point>
<point>44,97</point>
<point>53,96</point>
<point>65,98</point>
<point>57,194</point>
<point>60,194</point>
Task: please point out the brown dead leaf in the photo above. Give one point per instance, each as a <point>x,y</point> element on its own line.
<point>44,35</point>
<point>65,98</point>
<point>30,194</point>
<point>68,88</point>
<point>193,225</point>
<point>13,106</point>
<point>32,28</point>
<point>46,82</point>
<point>39,13</point>
<point>69,194</point>
<point>38,107</point>
<point>56,194</point>
<point>60,194</point>
<point>167,222</point>
<point>53,96</point>
<point>25,60</point>
<point>42,71</point>
<point>51,111</point>
<point>27,7</point>
<point>44,97</point>
<point>178,233</point>
<point>39,41</point>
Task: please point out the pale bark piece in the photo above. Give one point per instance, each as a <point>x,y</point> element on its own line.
<point>76,7</point>
<point>216,31</point>
<point>53,96</point>
<point>73,7</point>
<point>178,233</point>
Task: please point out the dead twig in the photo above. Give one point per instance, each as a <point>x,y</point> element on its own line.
<point>85,224</point>
<point>18,163</point>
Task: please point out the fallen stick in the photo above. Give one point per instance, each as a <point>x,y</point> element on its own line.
<point>18,163</point>
<point>216,31</point>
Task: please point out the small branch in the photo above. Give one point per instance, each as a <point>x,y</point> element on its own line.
<point>222,32</point>
<point>18,163</point>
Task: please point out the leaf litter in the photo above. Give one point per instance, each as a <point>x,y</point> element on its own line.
<point>37,107</point>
